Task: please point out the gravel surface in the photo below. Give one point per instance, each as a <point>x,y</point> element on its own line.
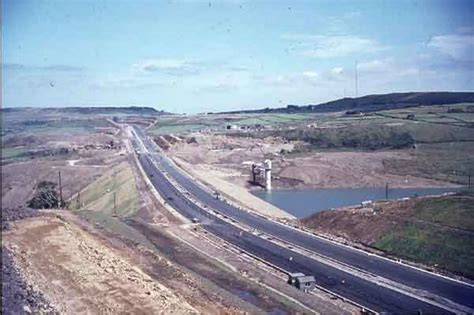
<point>17,296</point>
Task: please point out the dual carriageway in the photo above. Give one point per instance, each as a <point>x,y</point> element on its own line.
<point>410,290</point>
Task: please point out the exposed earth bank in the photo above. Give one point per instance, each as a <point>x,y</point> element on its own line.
<point>230,158</point>
<point>82,274</point>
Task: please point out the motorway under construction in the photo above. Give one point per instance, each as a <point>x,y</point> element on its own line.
<point>370,281</point>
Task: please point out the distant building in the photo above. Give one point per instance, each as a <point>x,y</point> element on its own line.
<point>231,127</point>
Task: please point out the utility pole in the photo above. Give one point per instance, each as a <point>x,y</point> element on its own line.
<point>78,201</point>
<point>386,190</point>
<point>356,80</point>
<point>60,191</point>
<point>115,206</point>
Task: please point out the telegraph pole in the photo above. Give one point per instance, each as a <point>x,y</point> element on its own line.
<point>60,190</point>
<point>78,202</point>
<point>356,80</point>
<point>386,190</point>
<point>115,206</point>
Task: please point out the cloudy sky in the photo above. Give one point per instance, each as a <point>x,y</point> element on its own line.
<point>195,56</point>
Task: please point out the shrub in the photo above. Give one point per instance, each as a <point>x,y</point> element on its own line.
<point>46,197</point>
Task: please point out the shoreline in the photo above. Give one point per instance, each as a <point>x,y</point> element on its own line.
<point>310,187</point>
<point>301,212</point>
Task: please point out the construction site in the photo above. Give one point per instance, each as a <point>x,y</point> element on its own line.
<point>115,236</point>
<point>237,157</point>
<point>112,242</point>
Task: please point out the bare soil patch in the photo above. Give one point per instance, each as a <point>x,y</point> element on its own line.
<point>361,225</point>
<point>81,274</point>
<point>230,158</point>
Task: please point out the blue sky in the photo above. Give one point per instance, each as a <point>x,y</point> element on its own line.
<point>196,56</point>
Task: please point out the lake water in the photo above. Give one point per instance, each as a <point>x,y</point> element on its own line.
<point>304,202</point>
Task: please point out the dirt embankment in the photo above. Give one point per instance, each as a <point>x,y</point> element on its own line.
<point>82,274</point>
<point>230,159</point>
<point>362,225</point>
<point>18,297</point>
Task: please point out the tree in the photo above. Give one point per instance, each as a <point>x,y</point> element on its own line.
<point>46,196</point>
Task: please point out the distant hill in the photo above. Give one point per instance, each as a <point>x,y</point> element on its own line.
<point>131,110</point>
<point>375,102</point>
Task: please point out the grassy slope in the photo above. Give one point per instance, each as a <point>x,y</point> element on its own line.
<point>457,212</point>
<point>440,233</point>
<point>98,196</point>
<point>97,202</point>
<point>376,102</point>
<point>446,249</point>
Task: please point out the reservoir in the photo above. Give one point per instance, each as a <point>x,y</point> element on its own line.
<point>304,202</point>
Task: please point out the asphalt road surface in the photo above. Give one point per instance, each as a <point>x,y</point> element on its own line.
<point>352,287</point>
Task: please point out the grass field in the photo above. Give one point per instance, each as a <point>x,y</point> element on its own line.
<point>177,128</point>
<point>10,153</point>
<point>187,124</point>
<point>441,233</point>
<point>431,123</point>
<point>55,126</point>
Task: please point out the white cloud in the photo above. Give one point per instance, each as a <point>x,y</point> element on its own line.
<point>390,67</point>
<point>310,74</point>
<point>318,46</point>
<point>219,88</point>
<point>168,66</point>
<point>57,68</point>
<point>306,78</point>
<point>457,46</point>
<point>126,83</point>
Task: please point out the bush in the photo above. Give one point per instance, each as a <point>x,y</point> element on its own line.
<point>362,137</point>
<point>46,197</point>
